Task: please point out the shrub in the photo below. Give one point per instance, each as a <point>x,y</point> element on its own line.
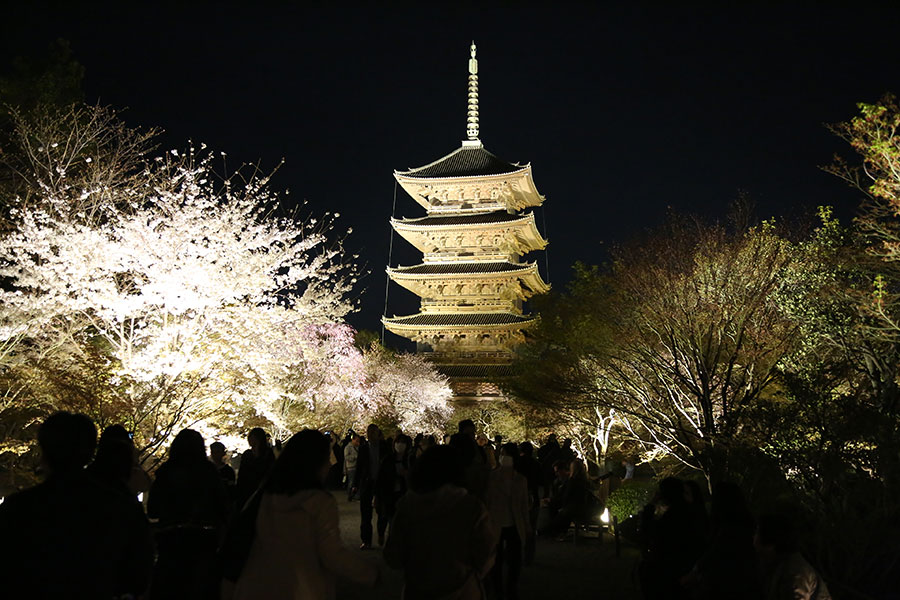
<point>630,498</point>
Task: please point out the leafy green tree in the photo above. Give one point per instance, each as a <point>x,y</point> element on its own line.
<point>676,341</point>
<point>515,421</point>
<point>557,372</point>
<point>756,353</point>
<point>875,136</point>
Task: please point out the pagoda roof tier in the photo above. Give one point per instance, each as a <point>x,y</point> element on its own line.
<point>470,160</point>
<point>522,228</point>
<point>485,219</point>
<point>413,278</point>
<point>463,268</point>
<point>480,372</point>
<point>458,320</point>
<point>505,327</point>
<point>470,179</point>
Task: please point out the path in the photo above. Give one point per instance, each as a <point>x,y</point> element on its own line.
<point>588,570</point>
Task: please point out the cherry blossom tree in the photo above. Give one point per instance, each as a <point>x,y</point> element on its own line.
<point>157,293</point>
<point>191,287</point>
<point>408,391</point>
<point>319,380</point>
<point>58,152</point>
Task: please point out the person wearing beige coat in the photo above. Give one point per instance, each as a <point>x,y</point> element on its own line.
<point>297,551</point>
<point>508,504</point>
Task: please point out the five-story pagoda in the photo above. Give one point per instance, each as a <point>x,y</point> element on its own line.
<point>472,280</point>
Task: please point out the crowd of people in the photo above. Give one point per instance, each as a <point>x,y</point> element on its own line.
<point>689,553</point>
<point>460,518</point>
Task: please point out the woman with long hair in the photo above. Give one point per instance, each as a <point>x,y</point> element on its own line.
<point>189,501</point>
<point>297,550</point>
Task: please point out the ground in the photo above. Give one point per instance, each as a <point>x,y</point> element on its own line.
<point>587,570</point>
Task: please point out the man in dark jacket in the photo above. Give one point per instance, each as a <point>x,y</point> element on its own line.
<point>365,481</point>
<point>531,469</point>
<point>73,536</point>
<point>474,458</point>
<point>547,455</point>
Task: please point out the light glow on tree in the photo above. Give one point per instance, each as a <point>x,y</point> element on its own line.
<point>196,292</point>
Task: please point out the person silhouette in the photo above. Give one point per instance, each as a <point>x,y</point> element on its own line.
<point>786,574</point>
<point>442,536</point>
<point>190,502</point>
<point>392,483</point>
<point>117,462</point>
<point>74,535</point>
<point>508,504</point>
<point>217,453</point>
<point>365,481</point>
<point>255,465</point>
<point>729,568</point>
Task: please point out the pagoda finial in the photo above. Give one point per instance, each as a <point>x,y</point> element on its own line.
<point>472,116</point>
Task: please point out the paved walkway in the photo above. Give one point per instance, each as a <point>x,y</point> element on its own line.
<point>588,570</point>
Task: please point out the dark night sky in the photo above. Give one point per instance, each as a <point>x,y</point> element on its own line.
<point>623,109</point>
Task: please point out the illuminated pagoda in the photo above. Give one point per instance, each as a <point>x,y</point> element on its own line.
<point>473,280</point>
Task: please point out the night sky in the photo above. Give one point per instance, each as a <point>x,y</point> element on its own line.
<point>623,109</point>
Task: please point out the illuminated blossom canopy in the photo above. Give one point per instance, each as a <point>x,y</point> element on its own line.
<point>196,291</point>
<point>158,293</point>
<point>408,390</point>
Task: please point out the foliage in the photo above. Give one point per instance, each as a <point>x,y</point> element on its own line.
<point>834,427</point>
<point>873,134</point>
<point>340,386</point>
<point>555,377</point>
<point>514,421</point>
<point>323,387</point>
<point>673,343</point>
<point>701,340</point>
<point>629,498</point>
<point>756,354</point>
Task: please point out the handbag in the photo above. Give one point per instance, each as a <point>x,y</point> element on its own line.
<point>235,548</point>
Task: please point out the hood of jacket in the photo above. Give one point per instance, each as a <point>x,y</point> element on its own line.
<point>434,503</point>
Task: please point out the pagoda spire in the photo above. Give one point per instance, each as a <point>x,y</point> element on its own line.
<point>472,115</point>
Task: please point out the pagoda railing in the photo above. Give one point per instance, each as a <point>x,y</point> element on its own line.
<point>449,255</point>
<point>495,357</point>
<point>456,306</point>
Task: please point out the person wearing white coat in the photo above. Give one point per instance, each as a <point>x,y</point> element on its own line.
<point>297,551</point>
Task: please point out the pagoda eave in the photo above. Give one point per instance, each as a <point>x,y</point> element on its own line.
<point>414,225</point>
<point>477,373</point>
<point>398,325</point>
<point>523,230</point>
<point>533,241</point>
<point>529,279</point>
<point>513,191</point>
<point>536,284</point>
<point>525,243</point>
<point>454,272</point>
<point>406,176</point>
